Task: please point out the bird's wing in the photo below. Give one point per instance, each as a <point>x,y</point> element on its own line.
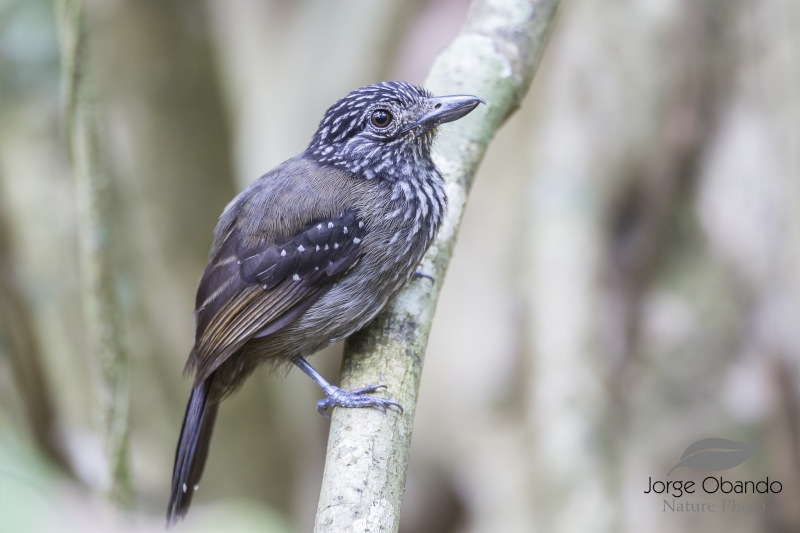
<point>252,290</point>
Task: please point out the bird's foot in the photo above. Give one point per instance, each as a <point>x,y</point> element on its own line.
<point>355,398</point>
<point>423,274</point>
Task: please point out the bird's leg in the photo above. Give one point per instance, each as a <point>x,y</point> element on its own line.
<point>338,397</point>
<point>423,274</point>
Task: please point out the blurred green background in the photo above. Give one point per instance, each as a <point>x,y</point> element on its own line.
<point>626,281</point>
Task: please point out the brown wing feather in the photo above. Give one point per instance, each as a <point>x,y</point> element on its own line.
<point>253,290</point>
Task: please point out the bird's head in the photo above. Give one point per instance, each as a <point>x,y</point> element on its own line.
<point>385,130</point>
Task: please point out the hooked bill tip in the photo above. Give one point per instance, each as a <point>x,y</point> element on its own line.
<point>446,109</point>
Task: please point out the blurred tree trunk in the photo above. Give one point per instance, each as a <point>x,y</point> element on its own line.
<point>640,197</point>
<point>587,281</point>
<point>639,217</point>
<point>18,341</point>
<point>577,173</point>
<point>749,207</point>
<point>96,236</point>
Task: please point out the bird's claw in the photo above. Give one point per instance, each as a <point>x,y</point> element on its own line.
<point>423,274</point>
<point>355,398</point>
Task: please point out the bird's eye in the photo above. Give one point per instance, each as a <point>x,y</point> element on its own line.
<point>381,118</point>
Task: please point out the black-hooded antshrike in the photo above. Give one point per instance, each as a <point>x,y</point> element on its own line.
<point>312,251</point>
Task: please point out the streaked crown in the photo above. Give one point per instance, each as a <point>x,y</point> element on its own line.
<point>367,132</point>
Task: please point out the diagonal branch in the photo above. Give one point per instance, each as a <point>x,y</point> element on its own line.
<point>495,57</point>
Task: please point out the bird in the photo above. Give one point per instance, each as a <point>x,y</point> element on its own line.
<point>311,252</point>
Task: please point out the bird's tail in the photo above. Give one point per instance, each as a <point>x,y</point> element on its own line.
<point>190,457</point>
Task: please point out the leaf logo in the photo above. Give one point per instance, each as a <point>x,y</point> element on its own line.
<point>716,454</point>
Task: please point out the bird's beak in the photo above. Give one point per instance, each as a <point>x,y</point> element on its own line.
<point>446,109</point>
